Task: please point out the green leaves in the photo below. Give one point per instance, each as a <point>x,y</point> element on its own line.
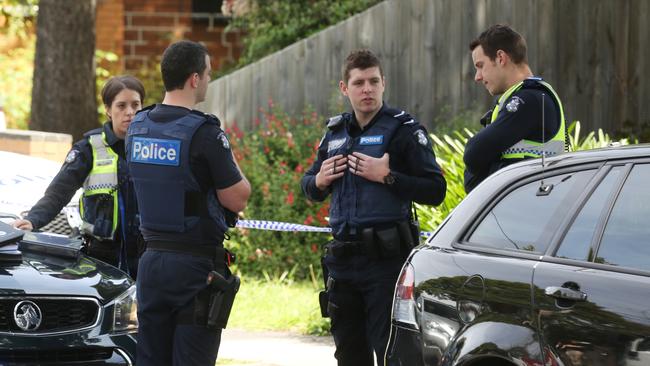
<point>274,24</point>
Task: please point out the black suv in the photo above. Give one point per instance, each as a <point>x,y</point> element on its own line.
<point>539,265</point>
<point>59,307</point>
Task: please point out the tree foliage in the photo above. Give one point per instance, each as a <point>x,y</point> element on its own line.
<point>17,17</point>
<point>274,24</point>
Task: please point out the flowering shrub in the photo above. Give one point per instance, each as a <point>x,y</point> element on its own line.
<point>274,157</point>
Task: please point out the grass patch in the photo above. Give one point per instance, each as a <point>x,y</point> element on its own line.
<point>280,305</point>
<point>230,362</point>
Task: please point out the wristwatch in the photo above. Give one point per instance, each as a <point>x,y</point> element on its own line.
<point>389,179</point>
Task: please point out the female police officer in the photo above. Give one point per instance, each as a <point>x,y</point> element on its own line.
<point>97,163</point>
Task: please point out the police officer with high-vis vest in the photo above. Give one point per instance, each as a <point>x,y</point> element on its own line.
<point>188,185</point>
<point>374,162</point>
<point>98,164</point>
<point>527,120</point>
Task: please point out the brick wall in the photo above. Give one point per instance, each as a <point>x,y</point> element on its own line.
<point>109,26</point>
<point>149,26</point>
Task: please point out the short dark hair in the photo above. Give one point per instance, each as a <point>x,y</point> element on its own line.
<point>116,84</point>
<point>360,59</point>
<point>179,61</point>
<point>501,37</point>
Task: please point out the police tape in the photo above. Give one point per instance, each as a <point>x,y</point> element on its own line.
<point>288,226</point>
<point>280,226</point>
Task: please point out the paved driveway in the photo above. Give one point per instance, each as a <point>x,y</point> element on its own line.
<point>245,348</point>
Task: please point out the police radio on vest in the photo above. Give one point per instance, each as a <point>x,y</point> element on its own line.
<point>155,151</point>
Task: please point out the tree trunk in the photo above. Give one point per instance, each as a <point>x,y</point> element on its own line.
<point>63,94</point>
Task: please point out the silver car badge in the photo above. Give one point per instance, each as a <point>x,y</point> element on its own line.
<point>27,315</point>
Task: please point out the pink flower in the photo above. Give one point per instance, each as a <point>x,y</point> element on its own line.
<point>289,199</point>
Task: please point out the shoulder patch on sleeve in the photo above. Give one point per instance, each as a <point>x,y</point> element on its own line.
<point>72,156</point>
<point>514,103</point>
<point>224,140</point>
<point>421,137</point>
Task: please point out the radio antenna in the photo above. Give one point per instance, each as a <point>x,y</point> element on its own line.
<point>544,189</point>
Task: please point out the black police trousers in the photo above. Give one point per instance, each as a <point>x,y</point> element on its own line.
<point>167,284</point>
<point>360,302</point>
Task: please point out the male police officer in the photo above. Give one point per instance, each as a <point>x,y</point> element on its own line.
<point>185,178</point>
<point>375,162</point>
<point>528,119</point>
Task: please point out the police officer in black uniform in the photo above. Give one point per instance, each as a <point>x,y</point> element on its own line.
<point>98,164</point>
<point>374,162</point>
<point>527,113</point>
<point>186,180</point>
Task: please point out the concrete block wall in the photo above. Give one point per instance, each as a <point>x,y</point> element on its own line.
<point>48,145</point>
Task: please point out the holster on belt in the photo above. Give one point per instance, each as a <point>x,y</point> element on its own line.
<point>222,296</point>
<point>323,297</point>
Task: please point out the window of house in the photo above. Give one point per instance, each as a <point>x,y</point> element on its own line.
<point>206,6</point>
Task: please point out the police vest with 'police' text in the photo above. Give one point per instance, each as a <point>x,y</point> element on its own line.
<point>357,202</point>
<point>169,196</point>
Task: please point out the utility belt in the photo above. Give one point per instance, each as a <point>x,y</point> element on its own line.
<point>378,243</point>
<point>218,254</point>
<point>391,242</point>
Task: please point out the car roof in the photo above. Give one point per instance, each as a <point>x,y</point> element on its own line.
<point>23,180</point>
<point>591,155</point>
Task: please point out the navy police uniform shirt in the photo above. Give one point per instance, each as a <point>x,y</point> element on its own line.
<point>522,120</point>
<point>411,160</point>
<point>211,162</point>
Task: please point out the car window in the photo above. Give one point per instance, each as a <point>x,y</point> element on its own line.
<point>577,241</point>
<point>520,219</point>
<point>626,239</point>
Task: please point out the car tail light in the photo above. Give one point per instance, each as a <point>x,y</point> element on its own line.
<point>404,304</point>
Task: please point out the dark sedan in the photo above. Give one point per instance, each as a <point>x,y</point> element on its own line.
<point>539,265</point>
<point>59,307</point>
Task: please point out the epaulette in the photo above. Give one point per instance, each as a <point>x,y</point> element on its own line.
<point>210,118</point>
<point>403,117</point>
<point>532,82</point>
<point>148,108</point>
<point>336,121</point>
<point>95,131</point>
<point>140,115</point>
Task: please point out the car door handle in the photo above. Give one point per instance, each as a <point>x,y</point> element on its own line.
<point>565,293</point>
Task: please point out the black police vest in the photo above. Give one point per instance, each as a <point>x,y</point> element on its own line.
<point>357,202</point>
<point>169,197</point>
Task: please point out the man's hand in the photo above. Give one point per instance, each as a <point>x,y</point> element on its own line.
<point>331,170</point>
<point>23,225</point>
<point>373,169</point>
